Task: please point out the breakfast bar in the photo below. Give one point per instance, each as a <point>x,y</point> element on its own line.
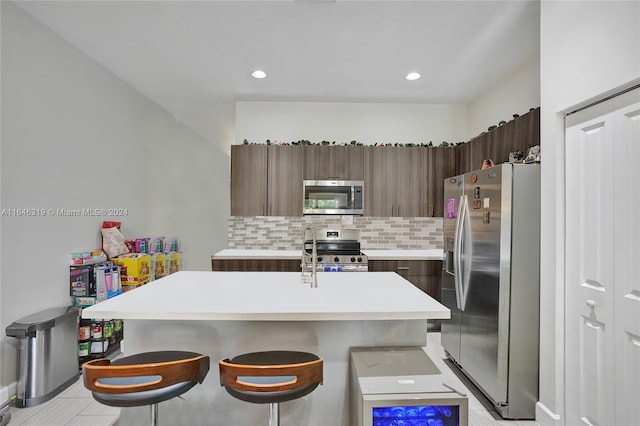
<point>223,314</point>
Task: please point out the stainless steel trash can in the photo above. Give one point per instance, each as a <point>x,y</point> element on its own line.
<point>47,354</point>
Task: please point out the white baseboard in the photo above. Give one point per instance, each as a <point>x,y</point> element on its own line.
<point>546,417</point>
<point>7,393</point>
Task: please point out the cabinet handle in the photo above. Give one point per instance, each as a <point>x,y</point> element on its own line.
<point>403,268</point>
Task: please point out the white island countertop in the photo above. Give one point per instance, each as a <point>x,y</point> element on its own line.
<point>272,296</point>
<point>398,254</point>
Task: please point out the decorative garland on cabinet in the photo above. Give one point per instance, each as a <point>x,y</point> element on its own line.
<point>443,144</point>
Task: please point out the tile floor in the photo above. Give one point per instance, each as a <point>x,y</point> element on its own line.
<point>479,414</point>
<point>76,407</point>
<point>73,407</point>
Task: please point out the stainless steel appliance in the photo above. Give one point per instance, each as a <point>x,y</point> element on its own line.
<point>393,386</point>
<point>333,197</point>
<point>337,250</point>
<point>491,282</point>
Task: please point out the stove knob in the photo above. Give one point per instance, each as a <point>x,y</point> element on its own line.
<point>336,259</point>
<point>319,258</point>
<point>359,259</point>
<point>353,259</point>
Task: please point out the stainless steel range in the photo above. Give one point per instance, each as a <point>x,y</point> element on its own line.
<point>337,250</point>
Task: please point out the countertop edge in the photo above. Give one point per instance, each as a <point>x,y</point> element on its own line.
<point>343,316</point>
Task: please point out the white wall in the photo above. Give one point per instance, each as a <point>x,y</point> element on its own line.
<point>367,123</point>
<point>76,136</point>
<point>515,94</point>
<point>588,48</point>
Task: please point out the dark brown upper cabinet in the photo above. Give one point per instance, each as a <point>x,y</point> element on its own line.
<point>284,180</point>
<point>438,164</point>
<point>393,182</point>
<point>266,180</point>
<point>399,181</point>
<point>519,134</point>
<point>249,180</point>
<point>334,162</point>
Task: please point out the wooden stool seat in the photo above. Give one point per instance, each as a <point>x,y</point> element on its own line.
<point>144,379</point>
<point>271,377</point>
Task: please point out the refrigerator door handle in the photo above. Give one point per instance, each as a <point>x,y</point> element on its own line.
<point>465,253</point>
<point>457,247</point>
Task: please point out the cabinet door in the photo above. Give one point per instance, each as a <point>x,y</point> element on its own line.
<point>334,162</point>
<point>478,150</point>
<point>347,162</point>
<point>409,185</point>
<point>285,166</point>
<point>441,165</point>
<point>248,180</point>
<point>434,280</point>
<point>424,274</point>
<point>462,164</point>
<point>379,198</point>
<point>526,132</point>
<point>393,182</point>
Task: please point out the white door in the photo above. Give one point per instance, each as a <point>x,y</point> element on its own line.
<point>589,273</point>
<point>602,258</point>
<point>627,265</point>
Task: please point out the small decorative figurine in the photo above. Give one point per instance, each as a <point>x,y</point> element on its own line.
<point>487,163</point>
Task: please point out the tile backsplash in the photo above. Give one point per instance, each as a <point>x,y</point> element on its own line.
<point>376,233</point>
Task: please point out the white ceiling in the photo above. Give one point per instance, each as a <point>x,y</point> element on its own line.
<point>189,56</point>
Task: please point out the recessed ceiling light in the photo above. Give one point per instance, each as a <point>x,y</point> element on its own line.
<point>413,76</point>
<point>258,74</point>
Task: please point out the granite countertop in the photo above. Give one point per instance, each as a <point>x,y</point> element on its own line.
<point>272,296</point>
<point>433,254</point>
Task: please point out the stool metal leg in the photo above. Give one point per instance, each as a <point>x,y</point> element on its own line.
<point>154,414</point>
<point>274,414</point>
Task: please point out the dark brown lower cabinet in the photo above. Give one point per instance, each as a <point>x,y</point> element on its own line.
<point>255,265</point>
<point>424,274</point>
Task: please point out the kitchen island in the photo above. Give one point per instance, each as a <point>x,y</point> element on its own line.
<point>222,314</point>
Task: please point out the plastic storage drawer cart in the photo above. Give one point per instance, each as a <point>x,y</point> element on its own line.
<point>47,354</point>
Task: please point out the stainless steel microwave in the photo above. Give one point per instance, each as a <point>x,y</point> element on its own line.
<point>333,197</point>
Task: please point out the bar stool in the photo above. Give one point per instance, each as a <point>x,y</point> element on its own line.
<point>271,377</point>
<point>144,379</point>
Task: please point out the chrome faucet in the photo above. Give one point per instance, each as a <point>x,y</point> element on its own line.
<point>314,256</point>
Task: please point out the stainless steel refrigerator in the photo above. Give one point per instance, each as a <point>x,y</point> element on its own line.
<point>491,282</point>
